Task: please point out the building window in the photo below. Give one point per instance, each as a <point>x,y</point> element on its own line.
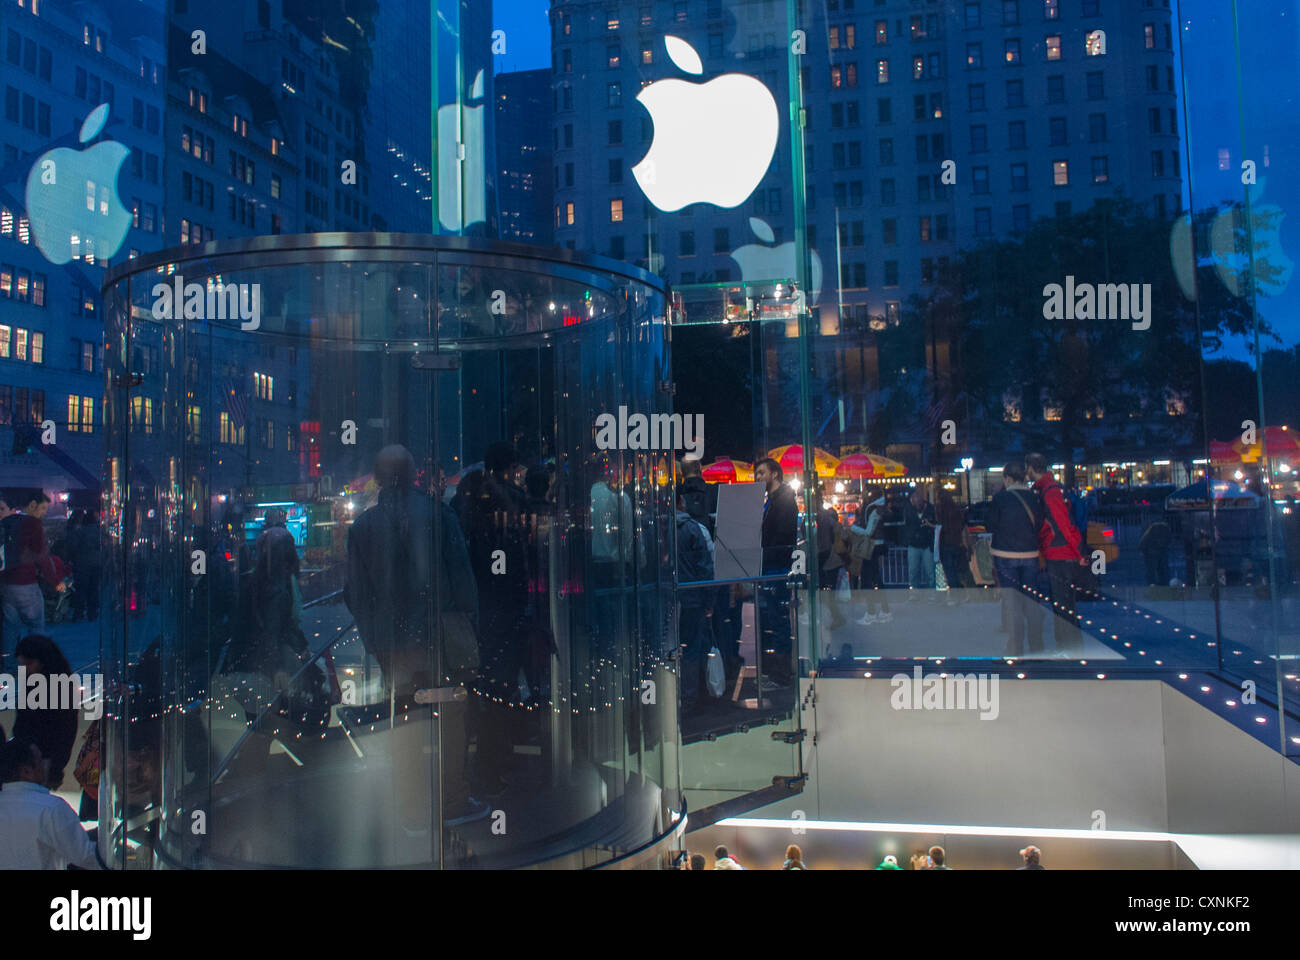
<point>975,96</point>
<point>1100,169</point>
<point>979,180</point>
<point>686,243</point>
<point>1096,85</point>
<point>1051,9</point>
<point>974,56</point>
<point>612,56</point>
<point>979,138</point>
<point>1096,128</point>
<point>882,31</point>
<point>983,221</point>
<point>1011,50</point>
<point>1061,173</point>
<point>616,210</point>
<point>1020,177</point>
<point>1020,217</point>
<point>1054,47</point>
<point>614,95</point>
<point>569,213</point>
<point>1056,132</point>
<point>1157,163</point>
<point>1015,93</point>
<point>1016,135</point>
<point>891,273</point>
<point>1056,89</point>
<point>1010,12</point>
<point>972,14</point>
<point>882,73</point>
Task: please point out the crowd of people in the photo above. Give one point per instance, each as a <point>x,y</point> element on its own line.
<point>1039,556</point>
<point>935,858</point>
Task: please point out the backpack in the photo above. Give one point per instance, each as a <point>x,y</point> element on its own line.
<point>11,551</point>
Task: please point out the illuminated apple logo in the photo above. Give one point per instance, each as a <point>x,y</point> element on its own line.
<point>763,261</point>
<point>72,199</point>
<point>462,168</point>
<point>713,142</point>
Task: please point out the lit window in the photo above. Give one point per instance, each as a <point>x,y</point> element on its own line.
<point>20,344</point>
<point>74,413</point>
<point>882,31</point>
<point>1061,173</point>
<point>1011,50</point>
<point>882,71</point>
<point>1051,9</point>
<point>38,347</point>
<point>616,211</point>
<point>1096,44</point>
<point>1054,48</point>
<point>6,339</point>
<point>568,213</point>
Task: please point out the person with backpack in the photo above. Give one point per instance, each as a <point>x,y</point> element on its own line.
<point>694,565</point>
<point>24,560</point>
<point>1059,542</point>
<point>1014,519</point>
<point>700,497</point>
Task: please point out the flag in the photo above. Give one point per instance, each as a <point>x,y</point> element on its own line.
<point>234,401</point>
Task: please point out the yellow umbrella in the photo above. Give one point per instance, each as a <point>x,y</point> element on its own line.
<point>862,465</point>
<point>791,459</point>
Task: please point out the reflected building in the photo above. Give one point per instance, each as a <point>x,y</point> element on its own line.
<point>61,63</point>
<point>928,132</point>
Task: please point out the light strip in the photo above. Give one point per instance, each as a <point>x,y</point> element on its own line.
<point>1055,833</point>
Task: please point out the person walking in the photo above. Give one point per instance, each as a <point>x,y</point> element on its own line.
<point>871,555</point>
<point>26,560</point>
<point>1015,516</point>
<point>1154,547</point>
<point>953,552</point>
<point>778,536</point>
<point>918,536</point>
<point>694,566</point>
<point>393,581</point>
<point>1059,542</point>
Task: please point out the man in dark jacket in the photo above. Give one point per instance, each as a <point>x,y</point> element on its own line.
<point>391,591</point>
<point>694,565</point>
<point>1060,544</point>
<point>780,533</point>
<point>21,599</point>
<point>700,497</point>
<point>1015,516</point>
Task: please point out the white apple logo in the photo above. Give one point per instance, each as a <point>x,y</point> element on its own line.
<point>760,262</point>
<point>74,193</point>
<point>462,169</point>
<point>713,142</point>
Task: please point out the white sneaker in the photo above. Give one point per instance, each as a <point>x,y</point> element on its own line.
<point>885,617</point>
<point>866,620</point>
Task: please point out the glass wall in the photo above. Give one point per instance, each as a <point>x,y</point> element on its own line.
<point>402,587</point>
<point>1001,288</point>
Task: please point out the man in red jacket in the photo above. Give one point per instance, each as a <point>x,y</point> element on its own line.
<point>1060,544</point>
<point>21,599</point>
